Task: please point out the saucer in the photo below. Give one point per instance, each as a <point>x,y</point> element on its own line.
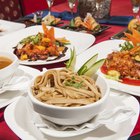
<point>24,128</point>
<point>9,96</point>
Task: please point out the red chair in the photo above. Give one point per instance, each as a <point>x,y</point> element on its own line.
<point>30,6</point>
<point>10,9</point>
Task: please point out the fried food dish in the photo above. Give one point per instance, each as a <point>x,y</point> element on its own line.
<point>41,46</point>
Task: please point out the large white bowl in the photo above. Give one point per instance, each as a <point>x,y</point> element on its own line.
<point>71,115</point>
<point>7,72</point>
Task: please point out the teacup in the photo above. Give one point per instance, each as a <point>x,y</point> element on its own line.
<point>8,65</point>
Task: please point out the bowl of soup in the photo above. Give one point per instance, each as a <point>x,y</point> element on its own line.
<point>63,97</point>
<point>8,65</point>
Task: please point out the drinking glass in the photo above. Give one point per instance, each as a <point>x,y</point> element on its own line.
<point>50,3</point>
<point>135,5</point>
<point>71,5</point>
<point>102,9</point>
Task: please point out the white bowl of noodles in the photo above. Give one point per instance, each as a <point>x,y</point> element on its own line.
<point>64,98</point>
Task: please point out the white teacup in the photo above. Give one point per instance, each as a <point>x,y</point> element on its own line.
<point>8,65</point>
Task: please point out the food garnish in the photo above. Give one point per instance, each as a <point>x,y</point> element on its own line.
<point>89,68</point>
<point>70,64</point>
<point>41,46</point>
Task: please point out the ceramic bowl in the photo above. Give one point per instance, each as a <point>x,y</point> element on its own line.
<point>7,72</point>
<point>71,115</point>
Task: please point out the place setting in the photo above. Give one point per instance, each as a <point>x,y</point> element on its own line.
<point>14,78</point>
<point>64,41</point>
<point>58,119</point>
<point>46,129</point>
<point>73,16</point>
<point>49,17</point>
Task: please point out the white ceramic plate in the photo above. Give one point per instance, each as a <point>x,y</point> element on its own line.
<point>9,96</point>
<point>103,49</point>
<point>7,27</point>
<point>81,41</point>
<point>25,129</point>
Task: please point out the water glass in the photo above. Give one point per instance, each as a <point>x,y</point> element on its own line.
<point>71,4</point>
<point>135,5</point>
<point>50,3</point>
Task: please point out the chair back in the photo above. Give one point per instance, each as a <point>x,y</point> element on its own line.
<point>10,9</point>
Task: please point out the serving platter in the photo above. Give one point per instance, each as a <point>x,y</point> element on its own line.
<point>79,29</point>
<point>7,27</point>
<point>24,128</point>
<point>103,49</point>
<point>120,34</point>
<point>80,41</point>
<point>10,96</point>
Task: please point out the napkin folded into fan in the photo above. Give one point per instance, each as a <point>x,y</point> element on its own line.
<point>113,114</point>
<point>19,81</point>
<point>66,15</point>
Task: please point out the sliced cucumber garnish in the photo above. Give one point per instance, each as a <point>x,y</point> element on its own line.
<point>70,64</point>
<point>94,68</point>
<point>87,64</point>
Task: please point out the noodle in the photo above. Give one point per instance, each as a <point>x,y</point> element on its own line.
<point>65,88</point>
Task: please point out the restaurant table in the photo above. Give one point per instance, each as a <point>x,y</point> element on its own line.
<point>118,8</point>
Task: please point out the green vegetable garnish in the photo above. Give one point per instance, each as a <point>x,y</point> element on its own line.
<point>70,64</point>
<point>87,65</point>
<point>93,69</point>
<point>74,83</point>
<point>126,46</point>
<point>89,68</point>
<point>34,39</point>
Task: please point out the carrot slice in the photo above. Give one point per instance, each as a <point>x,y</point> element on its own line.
<point>132,38</point>
<point>135,49</point>
<point>51,34</point>
<point>136,34</point>
<point>45,29</point>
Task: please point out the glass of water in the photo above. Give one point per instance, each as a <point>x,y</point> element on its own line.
<point>135,5</point>
<point>50,3</point>
<point>71,4</point>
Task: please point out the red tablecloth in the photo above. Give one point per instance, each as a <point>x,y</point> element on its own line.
<point>118,7</point>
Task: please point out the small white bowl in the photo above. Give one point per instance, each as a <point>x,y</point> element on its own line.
<point>7,72</point>
<point>71,115</point>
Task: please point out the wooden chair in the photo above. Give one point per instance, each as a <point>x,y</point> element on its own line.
<point>10,9</point>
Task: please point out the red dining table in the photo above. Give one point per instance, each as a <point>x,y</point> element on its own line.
<point>118,8</point>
